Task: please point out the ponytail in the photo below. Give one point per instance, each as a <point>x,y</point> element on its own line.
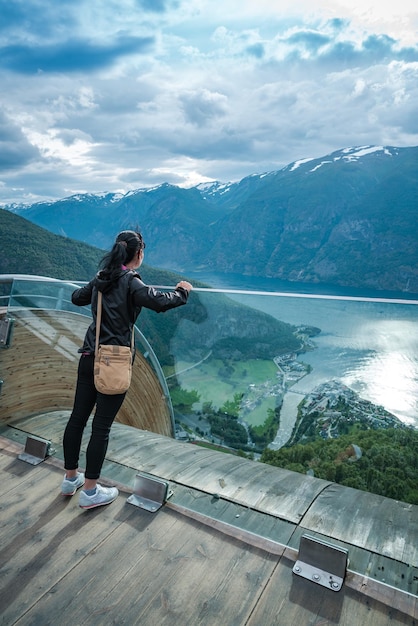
<point>127,244</point>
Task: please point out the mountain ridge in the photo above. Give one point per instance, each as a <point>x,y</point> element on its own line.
<point>348,218</point>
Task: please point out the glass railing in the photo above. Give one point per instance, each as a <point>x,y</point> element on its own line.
<point>252,354</point>
<point>256,370</point>
<point>21,293</point>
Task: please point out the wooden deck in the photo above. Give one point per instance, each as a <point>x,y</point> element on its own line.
<point>219,552</point>
<point>39,371</point>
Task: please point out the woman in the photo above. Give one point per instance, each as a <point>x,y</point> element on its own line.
<point>124,294</point>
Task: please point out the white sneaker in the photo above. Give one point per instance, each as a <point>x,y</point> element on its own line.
<point>69,487</point>
<point>103,495</point>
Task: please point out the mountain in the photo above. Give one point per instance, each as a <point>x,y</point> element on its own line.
<point>348,219</point>
<point>29,249</point>
<point>26,248</point>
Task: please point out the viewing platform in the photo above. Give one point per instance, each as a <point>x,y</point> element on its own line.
<point>222,548</point>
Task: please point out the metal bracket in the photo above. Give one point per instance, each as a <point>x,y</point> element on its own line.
<point>36,450</point>
<point>150,492</point>
<point>321,562</point>
<point>6,331</point>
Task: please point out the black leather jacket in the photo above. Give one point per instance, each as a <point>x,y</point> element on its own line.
<point>122,300</point>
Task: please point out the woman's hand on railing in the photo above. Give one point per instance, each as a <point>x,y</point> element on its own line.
<point>185,285</point>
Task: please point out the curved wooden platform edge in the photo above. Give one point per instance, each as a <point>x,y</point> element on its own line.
<point>39,372</point>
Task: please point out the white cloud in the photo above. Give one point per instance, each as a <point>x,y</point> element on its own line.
<point>108,96</point>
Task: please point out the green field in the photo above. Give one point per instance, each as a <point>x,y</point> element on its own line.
<point>218,381</point>
<point>257,416</point>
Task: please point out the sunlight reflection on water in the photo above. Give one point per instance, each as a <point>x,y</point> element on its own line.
<point>370,343</point>
<point>371,347</point>
<point>377,358</point>
<point>389,379</point>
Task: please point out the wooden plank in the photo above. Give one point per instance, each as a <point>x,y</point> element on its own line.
<point>14,473</point>
<point>357,518</point>
<point>20,513</point>
<point>50,426</point>
<point>309,603</point>
<point>406,604</point>
<point>40,369</point>
<point>381,525</point>
<point>234,519</point>
<point>376,567</point>
<point>336,520</point>
<point>120,564</point>
<point>165,570</point>
<point>261,486</point>
<point>273,490</point>
<point>43,536</point>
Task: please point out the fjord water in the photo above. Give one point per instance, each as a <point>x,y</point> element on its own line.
<point>369,345</point>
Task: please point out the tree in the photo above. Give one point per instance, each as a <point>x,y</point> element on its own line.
<point>388,466</point>
<point>207,408</point>
<point>232,407</point>
<point>184,399</point>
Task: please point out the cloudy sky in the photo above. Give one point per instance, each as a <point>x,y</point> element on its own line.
<point>114,95</point>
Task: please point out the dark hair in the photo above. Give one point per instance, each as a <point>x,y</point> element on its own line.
<point>127,244</point>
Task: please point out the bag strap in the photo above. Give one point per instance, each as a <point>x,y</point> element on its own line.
<point>131,277</point>
<point>99,320</point>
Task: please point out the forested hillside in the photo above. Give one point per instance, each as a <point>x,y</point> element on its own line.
<point>28,249</point>
<point>388,464</point>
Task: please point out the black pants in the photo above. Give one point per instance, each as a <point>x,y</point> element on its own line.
<point>86,397</point>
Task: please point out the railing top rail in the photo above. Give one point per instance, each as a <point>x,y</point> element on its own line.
<point>5,278</point>
<point>291,294</point>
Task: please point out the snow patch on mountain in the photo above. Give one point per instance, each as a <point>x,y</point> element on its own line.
<point>319,165</point>
<point>348,155</point>
<point>214,188</point>
<point>297,164</point>
<point>358,152</point>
